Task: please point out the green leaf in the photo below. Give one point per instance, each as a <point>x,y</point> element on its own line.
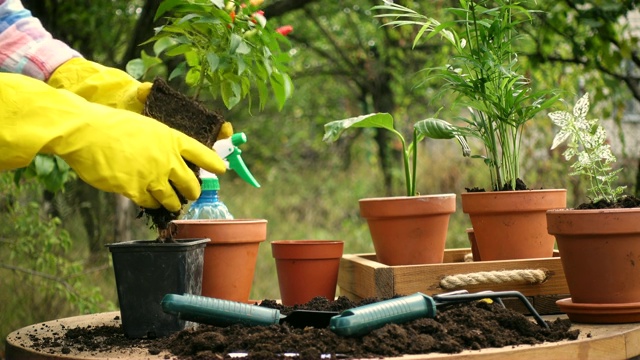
<point>193,76</point>
<point>162,44</point>
<point>231,93</point>
<point>179,49</point>
<point>136,68</point>
<point>44,164</point>
<point>180,70</point>
<point>213,61</point>
<point>243,48</point>
<point>279,86</point>
<point>440,129</point>
<point>218,3</point>
<point>149,61</point>
<point>165,6</point>
<point>334,129</point>
<point>234,42</point>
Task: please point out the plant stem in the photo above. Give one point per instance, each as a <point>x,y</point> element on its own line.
<point>196,95</point>
<point>415,160</point>
<point>405,159</point>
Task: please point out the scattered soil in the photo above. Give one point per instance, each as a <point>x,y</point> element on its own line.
<point>456,327</point>
<point>188,116</point>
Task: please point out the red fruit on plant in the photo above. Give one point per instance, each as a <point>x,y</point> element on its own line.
<point>285,30</point>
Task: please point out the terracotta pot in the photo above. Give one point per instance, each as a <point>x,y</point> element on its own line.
<point>230,258</point>
<point>306,269</point>
<point>409,230</point>
<point>512,224</point>
<point>600,254</point>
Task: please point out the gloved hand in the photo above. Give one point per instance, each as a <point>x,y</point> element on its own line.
<point>101,84</point>
<point>226,130</point>
<point>112,150</point>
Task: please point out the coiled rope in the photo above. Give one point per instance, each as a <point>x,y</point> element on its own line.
<point>527,276</point>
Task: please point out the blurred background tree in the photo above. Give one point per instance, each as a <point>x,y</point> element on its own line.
<point>344,64</point>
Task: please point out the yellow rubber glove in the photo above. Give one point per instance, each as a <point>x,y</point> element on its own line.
<point>112,150</point>
<point>226,130</point>
<point>101,84</point>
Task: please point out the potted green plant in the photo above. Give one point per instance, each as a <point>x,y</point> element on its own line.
<point>599,241</point>
<point>483,75</point>
<point>405,230</point>
<point>224,49</point>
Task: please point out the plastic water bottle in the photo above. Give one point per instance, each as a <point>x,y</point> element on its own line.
<point>208,206</point>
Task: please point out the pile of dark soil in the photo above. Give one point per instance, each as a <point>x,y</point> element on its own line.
<point>624,202</point>
<point>456,327</point>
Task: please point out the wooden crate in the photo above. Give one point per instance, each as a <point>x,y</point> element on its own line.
<point>361,276</point>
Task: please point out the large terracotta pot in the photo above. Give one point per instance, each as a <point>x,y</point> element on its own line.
<point>600,254</point>
<point>230,258</point>
<point>409,230</point>
<point>307,269</point>
<point>512,224</point>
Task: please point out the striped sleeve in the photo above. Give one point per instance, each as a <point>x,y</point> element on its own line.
<point>25,46</point>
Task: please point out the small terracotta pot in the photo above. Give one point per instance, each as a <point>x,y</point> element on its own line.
<point>409,230</point>
<point>512,224</point>
<point>307,269</point>
<point>230,258</point>
<point>600,254</point>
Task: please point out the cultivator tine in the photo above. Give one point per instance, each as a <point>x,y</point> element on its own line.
<point>460,296</point>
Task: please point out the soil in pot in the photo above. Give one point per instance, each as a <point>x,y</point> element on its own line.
<point>455,328</point>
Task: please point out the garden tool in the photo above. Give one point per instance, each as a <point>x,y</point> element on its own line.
<point>220,312</point>
<point>357,321</point>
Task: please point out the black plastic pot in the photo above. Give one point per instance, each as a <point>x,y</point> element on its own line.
<point>145,272</point>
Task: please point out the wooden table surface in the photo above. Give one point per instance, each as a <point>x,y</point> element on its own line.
<point>619,341</point>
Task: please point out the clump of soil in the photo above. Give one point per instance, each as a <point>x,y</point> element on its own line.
<point>456,327</point>
<point>623,202</point>
<point>182,113</point>
<point>520,185</point>
<point>186,115</point>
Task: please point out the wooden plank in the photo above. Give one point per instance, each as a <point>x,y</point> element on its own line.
<point>364,278</point>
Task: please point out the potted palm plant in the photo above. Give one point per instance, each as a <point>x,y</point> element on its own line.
<point>483,75</point>
<point>599,241</point>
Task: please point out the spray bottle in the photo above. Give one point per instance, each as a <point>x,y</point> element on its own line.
<point>209,205</point>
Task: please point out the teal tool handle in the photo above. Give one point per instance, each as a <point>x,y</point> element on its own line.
<point>364,319</point>
<point>218,312</point>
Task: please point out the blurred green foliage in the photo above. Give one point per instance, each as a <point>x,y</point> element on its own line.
<point>44,274</point>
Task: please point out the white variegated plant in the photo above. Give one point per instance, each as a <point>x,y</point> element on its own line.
<point>586,140</point>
